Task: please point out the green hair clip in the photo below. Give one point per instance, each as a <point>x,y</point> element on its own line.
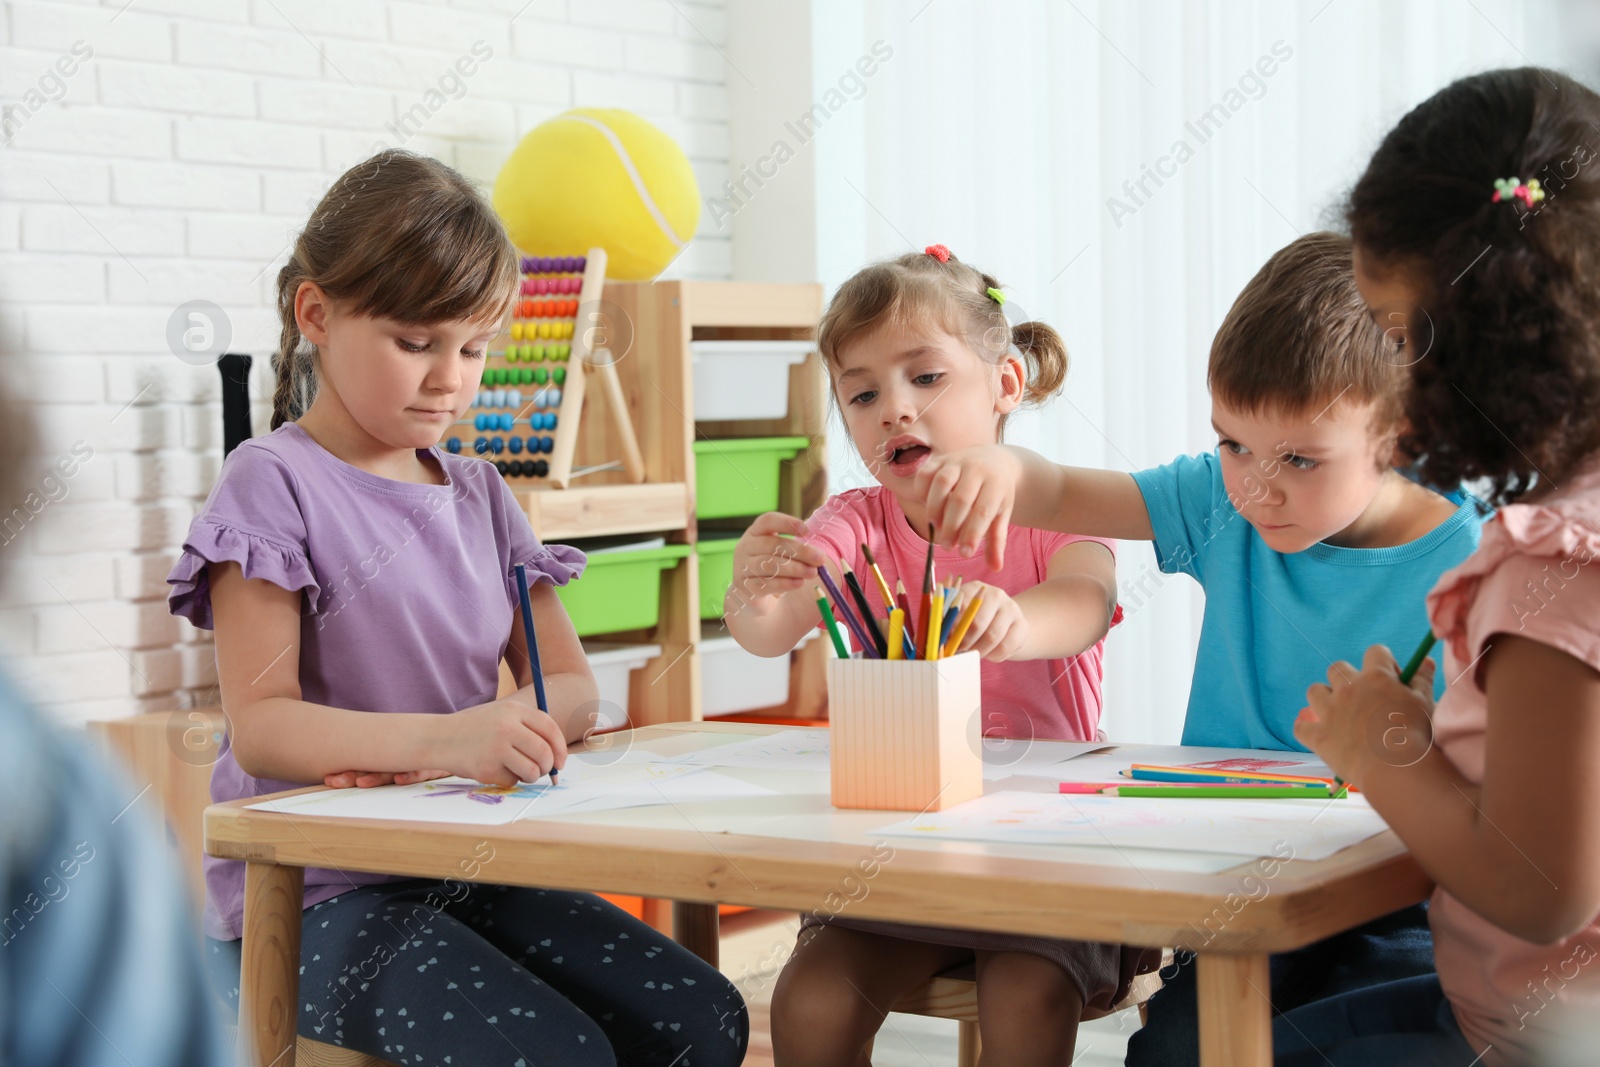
<point>997,296</point>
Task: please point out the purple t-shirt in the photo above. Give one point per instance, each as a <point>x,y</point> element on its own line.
<point>408,595</point>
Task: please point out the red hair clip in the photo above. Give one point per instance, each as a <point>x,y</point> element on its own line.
<point>939,252</point>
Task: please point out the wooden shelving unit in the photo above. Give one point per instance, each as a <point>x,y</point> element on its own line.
<point>657,377</point>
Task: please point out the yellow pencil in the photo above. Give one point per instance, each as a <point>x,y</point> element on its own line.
<point>897,630</point>
<point>935,613</point>
<point>962,623</point>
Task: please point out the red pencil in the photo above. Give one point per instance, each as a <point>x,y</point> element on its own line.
<point>904,603</point>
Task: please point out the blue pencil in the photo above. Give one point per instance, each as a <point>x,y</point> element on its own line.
<point>533,647</point>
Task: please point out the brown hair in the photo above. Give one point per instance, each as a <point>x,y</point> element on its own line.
<point>402,237</point>
<point>917,286</point>
<point>1299,336</point>
<point>1509,388</point>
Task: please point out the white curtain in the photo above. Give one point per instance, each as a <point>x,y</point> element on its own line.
<point>1124,168</point>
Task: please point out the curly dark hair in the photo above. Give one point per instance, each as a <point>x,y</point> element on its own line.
<point>1508,390</point>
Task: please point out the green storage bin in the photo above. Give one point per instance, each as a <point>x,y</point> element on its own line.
<point>716,572</point>
<point>619,590</point>
<point>739,475</point>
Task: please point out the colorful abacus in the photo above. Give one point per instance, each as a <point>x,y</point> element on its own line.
<point>523,385</point>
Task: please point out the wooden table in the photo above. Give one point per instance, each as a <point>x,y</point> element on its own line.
<point>1037,890</point>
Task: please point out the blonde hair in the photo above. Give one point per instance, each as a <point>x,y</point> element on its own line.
<point>402,237</point>
<point>917,287</point>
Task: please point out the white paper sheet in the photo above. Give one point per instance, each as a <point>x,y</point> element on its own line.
<point>1314,829</point>
<point>584,786</point>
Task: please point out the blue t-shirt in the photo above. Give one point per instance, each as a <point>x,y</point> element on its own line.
<point>1274,622</point>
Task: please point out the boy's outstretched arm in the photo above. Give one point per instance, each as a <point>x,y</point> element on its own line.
<point>975,493</point>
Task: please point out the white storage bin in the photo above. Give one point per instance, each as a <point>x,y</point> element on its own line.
<point>611,664</point>
<point>733,680</point>
<point>744,379</point>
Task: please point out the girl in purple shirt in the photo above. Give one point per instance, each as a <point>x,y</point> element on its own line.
<point>360,582</point>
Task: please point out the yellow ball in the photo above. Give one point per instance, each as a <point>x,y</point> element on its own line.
<point>600,176</point>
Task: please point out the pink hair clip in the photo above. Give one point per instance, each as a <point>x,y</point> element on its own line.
<point>939,252</point>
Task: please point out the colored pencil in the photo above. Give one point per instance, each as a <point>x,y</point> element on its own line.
<point>968,613</point>
<point>831,625</point>
<point>947,623</point>
<point>868,647</point>
<point>897,634</point>
<point>533,647</point>
<point>1414,664</point>
<point>883,584</point>
<point>1151,772</point>
<point>904,602</point>
<point>930,622</point>
<point>935,613</point>
<point>1204,792</point>
<point>879,642</point>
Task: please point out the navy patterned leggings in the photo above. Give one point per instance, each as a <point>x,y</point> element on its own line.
<point>428,973</point>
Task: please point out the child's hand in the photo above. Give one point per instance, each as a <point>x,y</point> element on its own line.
<point>999,628</point>
<point>1360,718</point>
<point>502,742</point>
<point>766,566</point>
<point>969,495</point>
<point>368,779</point>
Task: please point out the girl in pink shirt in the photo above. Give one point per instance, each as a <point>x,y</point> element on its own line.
<point>1475,227</point>
<point>923,360</point>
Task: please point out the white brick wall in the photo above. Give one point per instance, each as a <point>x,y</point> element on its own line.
<point>175,163</point>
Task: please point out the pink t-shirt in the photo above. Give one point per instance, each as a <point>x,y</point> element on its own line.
<point>1046,698</point>
<point>1536,574</point>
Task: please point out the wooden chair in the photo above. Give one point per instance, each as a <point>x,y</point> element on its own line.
<point>954,995</point>
<point>171,753</point>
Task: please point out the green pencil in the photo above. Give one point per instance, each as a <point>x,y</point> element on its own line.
<point>832,625</point>
<point>1224,792</point>
<point>1415,663</point>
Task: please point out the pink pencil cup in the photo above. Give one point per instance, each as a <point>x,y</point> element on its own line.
<point>905,734</point>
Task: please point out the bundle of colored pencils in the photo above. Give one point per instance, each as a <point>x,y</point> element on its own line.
<point>895,635</point>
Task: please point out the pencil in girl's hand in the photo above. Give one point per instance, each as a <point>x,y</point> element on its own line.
<point>968,613</point>
<point>874,631</point>
<point>868,647</point>
<point>935,615</point>
<point>831,626</point>
<point>1414,664</point>
<point>533,647</point>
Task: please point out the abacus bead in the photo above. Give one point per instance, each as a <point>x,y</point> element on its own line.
<point>508,420</point>
<point>555,394</point>
<point>481,445</point>
<point>515,444</point>
<point>525,375</point>
<point>479,421</point>
<point>496,445</point>
<point>502,466</point>
<point>560,375</point>
<point>547,444</point>
<point>583,264</point>
<point>550,421</point>
<point>514,398</point>
<point>454,444</point>
<point>540,468</point>
<point>541,374</point>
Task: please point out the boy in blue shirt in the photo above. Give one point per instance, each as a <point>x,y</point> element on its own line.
<point>1309,544</point>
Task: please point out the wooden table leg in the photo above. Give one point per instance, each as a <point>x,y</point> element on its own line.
<point>1235,1012</point>
<point>269,981</point>
<point>694,926</point>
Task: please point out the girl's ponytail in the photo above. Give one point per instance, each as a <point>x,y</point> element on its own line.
<point>295,362</point>
<point>1046,355</point>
